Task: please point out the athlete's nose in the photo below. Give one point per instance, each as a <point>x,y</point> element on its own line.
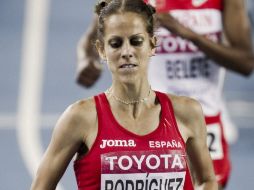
<point>127,51</point>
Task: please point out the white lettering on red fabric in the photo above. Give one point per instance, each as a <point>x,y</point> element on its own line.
<point>153,162</point>
<point>117,143</point>
<point>174,44</point>
<point>165,144</point>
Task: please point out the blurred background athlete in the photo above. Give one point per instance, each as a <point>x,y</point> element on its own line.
<point>197,41</point>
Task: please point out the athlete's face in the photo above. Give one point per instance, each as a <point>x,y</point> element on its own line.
<point>127,46</point>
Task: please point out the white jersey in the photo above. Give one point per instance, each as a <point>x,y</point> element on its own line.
<point>179,67</point>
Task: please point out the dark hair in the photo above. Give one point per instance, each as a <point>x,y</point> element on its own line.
<point>106,8</point>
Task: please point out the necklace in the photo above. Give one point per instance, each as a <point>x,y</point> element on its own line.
<point>109,91</point>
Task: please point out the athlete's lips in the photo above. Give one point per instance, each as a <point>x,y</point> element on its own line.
<point>128,66</point>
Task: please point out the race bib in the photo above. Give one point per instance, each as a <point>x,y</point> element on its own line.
<point>143,170</point>
<point>214,141</point>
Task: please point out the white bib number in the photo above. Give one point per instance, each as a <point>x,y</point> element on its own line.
<point>214,141</point>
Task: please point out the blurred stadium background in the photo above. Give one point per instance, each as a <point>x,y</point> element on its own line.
<point>38,63</point>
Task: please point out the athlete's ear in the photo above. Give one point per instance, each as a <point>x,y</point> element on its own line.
<point>100,48</point>
<point>153,41</point>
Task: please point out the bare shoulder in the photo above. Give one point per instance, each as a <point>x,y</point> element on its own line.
<point>189,115</point>
<point>185,107</point>
<point>78,118</point>
<point>81,110</point>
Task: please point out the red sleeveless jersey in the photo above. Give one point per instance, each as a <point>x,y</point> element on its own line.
<point>120,159</point>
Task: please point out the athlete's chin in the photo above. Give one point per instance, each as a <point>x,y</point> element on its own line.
<point>128,79</point>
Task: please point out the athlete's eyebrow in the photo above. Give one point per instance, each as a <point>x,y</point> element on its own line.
<point>138,34</point>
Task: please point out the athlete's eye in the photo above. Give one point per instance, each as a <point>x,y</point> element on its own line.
<point>136,41</point>
<point>116,42</point>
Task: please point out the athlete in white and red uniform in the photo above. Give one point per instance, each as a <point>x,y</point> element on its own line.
<point>180,67</point>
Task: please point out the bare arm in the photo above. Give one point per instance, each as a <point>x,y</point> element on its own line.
<point>198,152</point>
<point>66,140</point>
<point>237,55</point>
<point>191,123</point>
<point>89,67</point>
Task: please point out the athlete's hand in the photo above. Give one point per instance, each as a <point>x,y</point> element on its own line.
<point>88,71</point>
<point>88,61</point>
<point>169,22</point>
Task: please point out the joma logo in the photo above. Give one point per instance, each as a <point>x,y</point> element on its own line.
<point>117,143</point>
